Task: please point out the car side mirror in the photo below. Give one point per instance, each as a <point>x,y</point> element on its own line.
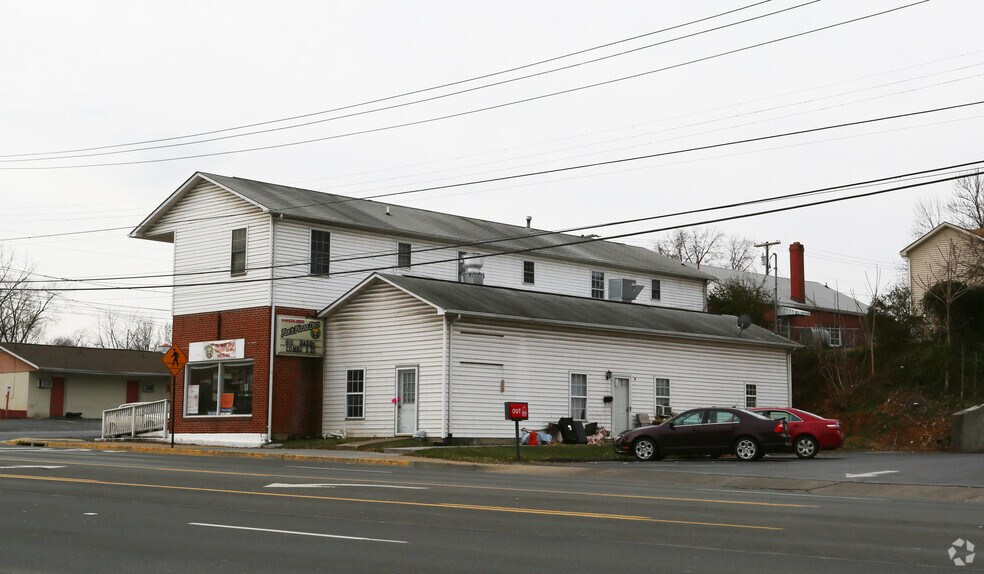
<point>671,425</point>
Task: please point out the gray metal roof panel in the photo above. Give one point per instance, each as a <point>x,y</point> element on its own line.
<point>366,214</point>
<point>536,306</point>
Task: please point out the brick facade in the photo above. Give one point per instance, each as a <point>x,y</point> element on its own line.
<point>297,381</point>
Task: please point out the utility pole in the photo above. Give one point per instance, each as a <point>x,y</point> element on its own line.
<point>775,292</point>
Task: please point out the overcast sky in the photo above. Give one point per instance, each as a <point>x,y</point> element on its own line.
<point>79,75</point>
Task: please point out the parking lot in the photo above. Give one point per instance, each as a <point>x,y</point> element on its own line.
<point>50,428</point>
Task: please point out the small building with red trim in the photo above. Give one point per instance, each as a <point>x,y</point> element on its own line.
<point>41,381</point>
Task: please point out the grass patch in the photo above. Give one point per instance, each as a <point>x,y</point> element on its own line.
<point>507,454</point>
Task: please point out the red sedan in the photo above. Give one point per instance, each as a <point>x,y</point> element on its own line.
<point>811,433</point>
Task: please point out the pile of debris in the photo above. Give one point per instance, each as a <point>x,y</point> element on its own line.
<point>566,431</point>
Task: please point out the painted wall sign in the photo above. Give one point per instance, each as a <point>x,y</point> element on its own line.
<point>300,336</point>
<point>217,350</point>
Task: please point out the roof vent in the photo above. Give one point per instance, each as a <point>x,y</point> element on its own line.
<point>529,218</point>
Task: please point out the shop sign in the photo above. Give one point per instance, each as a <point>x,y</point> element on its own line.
<point>217,350</point>
<point>300,336</point>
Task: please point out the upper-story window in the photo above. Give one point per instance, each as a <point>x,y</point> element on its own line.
<point>657,290</point>
<point>403,254</point>
<point>320,251</point>
<point>238,265</point>
<point>529,277</point>
<point>598,284</point>
<point>461,266</point>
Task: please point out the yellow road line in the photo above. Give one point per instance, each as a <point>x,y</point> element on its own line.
<point>447,505</point>
<point>438,484</point>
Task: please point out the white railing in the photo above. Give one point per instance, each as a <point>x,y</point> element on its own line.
<point>135,418</point>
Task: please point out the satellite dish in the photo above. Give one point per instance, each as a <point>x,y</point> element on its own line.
<point>744,322</point>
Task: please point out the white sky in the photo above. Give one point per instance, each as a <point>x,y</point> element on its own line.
<point>88,74</point>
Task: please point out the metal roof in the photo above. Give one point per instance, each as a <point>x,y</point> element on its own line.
<point>485,301</point>
<point>381,217</point>
<point>88,360</point>
<point>818,296</point>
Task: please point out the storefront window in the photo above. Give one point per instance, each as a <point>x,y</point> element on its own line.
<point>222,388</point>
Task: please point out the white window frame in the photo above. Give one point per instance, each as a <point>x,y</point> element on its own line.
<point>531,272</point>
<point>661,403</point>
<point>232,252</point>
<point>361,393</point>
<point>402,254</point>
<point>751,392</point>
<point>572,396</point>
<point>656,289</point>
<point>834,334</point>
<point>595,291</point>
<point>311,261</point>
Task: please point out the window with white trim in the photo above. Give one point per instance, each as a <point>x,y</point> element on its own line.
<point>662,394</point>
<point>656,289</point>
<point>579,396</point>
<point>403,254</point>
<point>320,251</point>
<point>751,396</point>
<point>238,262</point>
<point>355,393</point>
<point>529,276</point>
<point>598,284</point>
<point>835,336</point>
<point>219,388</point>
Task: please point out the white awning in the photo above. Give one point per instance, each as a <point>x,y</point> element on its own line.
<point>787,311</point>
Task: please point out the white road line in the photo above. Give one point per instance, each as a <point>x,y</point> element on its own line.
<point>868,474</point>
<point>30,466</point>
<point>333,485</point>
<point>802,495</point>
<point>298,533</point>
<point>330,469</point>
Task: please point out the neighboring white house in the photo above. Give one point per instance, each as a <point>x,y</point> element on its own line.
<point>406,353</point>
<point>942,254</point>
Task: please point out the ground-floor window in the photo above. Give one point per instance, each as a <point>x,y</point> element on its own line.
<point>751,395</point>
<point>579,396</point>
<point>355,394</point>
<point>662,392</point>
<point>220,388</point>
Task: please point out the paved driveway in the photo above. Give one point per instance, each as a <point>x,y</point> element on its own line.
<point>50,428</point>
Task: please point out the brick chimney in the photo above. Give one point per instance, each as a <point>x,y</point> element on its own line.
<point>797,281</point>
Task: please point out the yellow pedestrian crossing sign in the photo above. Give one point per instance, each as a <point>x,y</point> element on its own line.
<point>175,359</point>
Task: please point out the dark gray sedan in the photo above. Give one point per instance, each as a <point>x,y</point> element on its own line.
<point>712,431</point>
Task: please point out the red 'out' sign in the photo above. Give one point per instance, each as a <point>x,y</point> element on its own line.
<point>517,411</point>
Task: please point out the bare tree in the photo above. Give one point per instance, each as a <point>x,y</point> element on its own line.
<point>928,213</point>
<point>708,246</point>
<point>117,331</point>
<point>967,203</point>
<point>78,338</point>
<point>23,306</point>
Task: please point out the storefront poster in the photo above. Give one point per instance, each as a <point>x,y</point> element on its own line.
<point>192,408</point>
<point>227,401</point>
<point>217,350</point>
<point>300,336</point>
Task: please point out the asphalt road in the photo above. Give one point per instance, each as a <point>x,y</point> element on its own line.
<point>76,510</point>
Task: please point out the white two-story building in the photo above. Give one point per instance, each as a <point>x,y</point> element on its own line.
<point>255,263</point>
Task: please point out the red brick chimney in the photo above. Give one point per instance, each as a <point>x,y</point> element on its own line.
<point>797,282</point>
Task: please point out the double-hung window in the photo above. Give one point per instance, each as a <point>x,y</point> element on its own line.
<point>656,290</point>
<point>403,254</point>
<point>662,393</point>
<point>355,393</point>
<point>529,277</point>
<point>751,396</point>
<point>598,284</point>
<point>835,336</point>
<point>238,264</point>
<point>579,396</point>
<point>320,251</point>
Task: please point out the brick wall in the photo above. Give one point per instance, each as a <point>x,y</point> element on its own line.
<point>297,380</point>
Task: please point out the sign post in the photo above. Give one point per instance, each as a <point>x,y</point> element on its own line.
<point>174,359</point>
<point>517,412</point>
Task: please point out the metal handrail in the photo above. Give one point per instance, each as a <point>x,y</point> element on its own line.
<point>135,418</point>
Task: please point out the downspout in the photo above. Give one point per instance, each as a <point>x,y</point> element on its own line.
<point>446,389</point>
<point>789,376</point>
<point>273,327</point>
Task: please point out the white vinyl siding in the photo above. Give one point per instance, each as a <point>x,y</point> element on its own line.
<point>380,331</point>
<point>928,262</point>
<point>202,223</point>
<point>536,366</point>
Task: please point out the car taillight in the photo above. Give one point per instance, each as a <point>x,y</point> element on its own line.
<point>780,427</point>
<point>834,425</point>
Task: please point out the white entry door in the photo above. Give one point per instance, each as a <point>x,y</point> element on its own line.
<point>406,401</point>
<point>621,407</point>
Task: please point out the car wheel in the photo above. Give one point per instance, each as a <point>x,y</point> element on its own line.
<point>806,447</point>
<point>645,449</point>
<point>747,449</point>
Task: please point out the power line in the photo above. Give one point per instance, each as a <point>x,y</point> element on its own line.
<point>410,93</point>
<point>467,112</point>
<point>527,249</point>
